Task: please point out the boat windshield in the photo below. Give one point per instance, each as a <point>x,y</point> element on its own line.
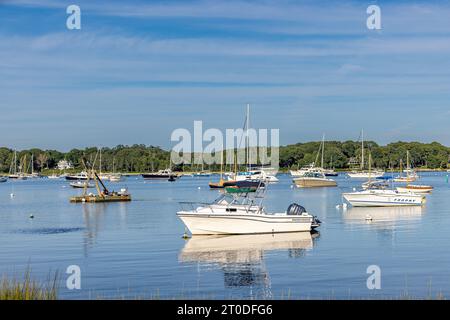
<point>312,174</point>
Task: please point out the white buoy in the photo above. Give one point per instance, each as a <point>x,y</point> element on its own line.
<point>199,188</point>
<point>11,195</point>
<point>338,206</point>
<point>292,186</point>
<point>31,216</point>
<point>354,189</point>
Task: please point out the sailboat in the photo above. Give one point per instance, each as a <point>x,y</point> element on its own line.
<point>382,197</point>
<point>361,174</point>
<point>315,178</point>
<point>115,177</point>
<point>330,172</point>
<point>13,169</point>
<point>411,176</point>
<point>416,188</point>
<point>250,173</point>
<point>220,184</point>
<point>103,176</point>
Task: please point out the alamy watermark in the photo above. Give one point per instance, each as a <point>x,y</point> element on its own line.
<point>74,279</point>
<point>234,146</point>
<point>73,22</point>
<point>374,280</point>
<point>373,21</point>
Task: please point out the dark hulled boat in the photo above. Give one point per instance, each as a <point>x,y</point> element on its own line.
<point>166,174</point>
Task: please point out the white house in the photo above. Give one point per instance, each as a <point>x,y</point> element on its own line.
<point>64,165</point>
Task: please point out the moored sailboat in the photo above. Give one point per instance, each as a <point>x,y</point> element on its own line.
<point>362,174</point>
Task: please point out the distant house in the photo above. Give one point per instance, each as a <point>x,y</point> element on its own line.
<point>64,165</point>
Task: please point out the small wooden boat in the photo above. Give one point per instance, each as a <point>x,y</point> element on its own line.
<point>415,188</point>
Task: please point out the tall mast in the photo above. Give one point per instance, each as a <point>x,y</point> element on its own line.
<point>323,147</point>
<point>247,136</point>
<point>362,149</point>
<point>15,161</point>
<point>408,164</point>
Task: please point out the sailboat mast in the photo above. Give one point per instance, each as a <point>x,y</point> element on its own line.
<point>323,147</point>
<point>15,161</point>
<point>362,149</point>
<point>247,135</point>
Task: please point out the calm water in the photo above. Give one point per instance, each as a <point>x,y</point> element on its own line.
<point>136,250</point>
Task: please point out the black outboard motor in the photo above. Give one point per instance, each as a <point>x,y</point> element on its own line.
<point>295,209</point>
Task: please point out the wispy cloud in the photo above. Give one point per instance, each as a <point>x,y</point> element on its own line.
<point>203,58</point>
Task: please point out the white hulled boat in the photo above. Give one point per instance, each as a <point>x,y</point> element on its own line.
<point>362,174</point>
<point>383,198</point>
<point>241,214</point>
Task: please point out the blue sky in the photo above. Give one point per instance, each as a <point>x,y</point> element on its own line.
<point>139,70</point>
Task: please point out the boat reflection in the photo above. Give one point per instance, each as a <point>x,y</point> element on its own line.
<point>94,215</point>
<point>241,257</point>
<point>383,216</point>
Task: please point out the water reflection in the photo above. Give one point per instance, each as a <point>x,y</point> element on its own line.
<point>94,215</point>
<point>241,257</point>
<point>383,216</point>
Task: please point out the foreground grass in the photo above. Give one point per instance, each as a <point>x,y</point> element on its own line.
<point>29,289</point>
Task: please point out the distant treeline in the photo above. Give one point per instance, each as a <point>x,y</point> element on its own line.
<point>142,158</point>
<point>344,155</point>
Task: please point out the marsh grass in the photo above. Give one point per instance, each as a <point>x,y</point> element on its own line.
<point>29,289</point>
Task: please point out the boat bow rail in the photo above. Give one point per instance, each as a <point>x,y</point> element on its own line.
<point>193,205</point>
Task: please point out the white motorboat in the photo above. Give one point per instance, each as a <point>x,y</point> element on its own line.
<point>302,171</point>
<point>383,198</point>
<point>314,179</point>
<point>365,174</point>
<point>115,177</point>
<point>81,184</point>
<point>3,179</point>
<point>79,176</point>
<point>237,214</point>
<point>253,175</point>
<point>161,174</point>
<point>53,176</point>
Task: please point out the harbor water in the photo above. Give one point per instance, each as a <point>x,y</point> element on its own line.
<point>136,250</point>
